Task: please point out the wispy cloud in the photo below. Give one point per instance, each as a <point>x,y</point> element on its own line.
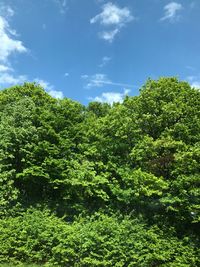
<point>10,79</point>
<point>44,84</point>
<point>8,42</point>
<point>62,6</point>
<point>84,76</point>
<point>10,45</point>
<point>66,74</point>
<point>56,94</point>
<point>113,15</point>
<point>104,61</point>
<point>5,68</point>
<point>6,11</point>
<point>100,80</point>
<point>172,11</point>
<point>108,35</point>
<point>194,81</point>
<point>49,88</point>
<point>96,80</point>
<point>196,84</point>
<point>111,97</point>
<point>113,18</point>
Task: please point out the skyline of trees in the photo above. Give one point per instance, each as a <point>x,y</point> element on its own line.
<point>101,185</point>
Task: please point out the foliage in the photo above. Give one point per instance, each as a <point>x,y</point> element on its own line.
<point>68,171</point>
<point>99,240</point>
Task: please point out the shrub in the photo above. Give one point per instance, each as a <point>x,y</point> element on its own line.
<point>100,240</point>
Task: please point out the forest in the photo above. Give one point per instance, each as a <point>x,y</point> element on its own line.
<point>100,185</point>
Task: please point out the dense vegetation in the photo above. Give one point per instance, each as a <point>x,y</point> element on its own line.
<point>101,185</point>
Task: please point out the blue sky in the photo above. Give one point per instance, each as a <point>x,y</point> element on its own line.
<point>95,49</point>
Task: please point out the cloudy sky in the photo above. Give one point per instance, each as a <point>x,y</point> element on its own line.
<point>97,49</point>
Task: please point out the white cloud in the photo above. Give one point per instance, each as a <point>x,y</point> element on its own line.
<point>171,11</point>
<point>109,35</point>
<point>44,84</point>
<point>8,43</point>
<point>56,94</point>
<point>8,46</point>
<point>84,76</point>
<point>9,79</point>
<point>62,6</point>
<point>6,11</point>
<point>194,81</point>
<point>97,80</point>
<point>49,88</point>
<point>196,84</point>
<point>112,16</point>
<point>4,68</point>
<point>100,80</point>
<point>104,61</point>
<point>111,97</point>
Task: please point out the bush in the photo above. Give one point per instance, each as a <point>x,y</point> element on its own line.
<point>100,240</point>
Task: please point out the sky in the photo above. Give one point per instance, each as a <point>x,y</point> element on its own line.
<point>98,50</point>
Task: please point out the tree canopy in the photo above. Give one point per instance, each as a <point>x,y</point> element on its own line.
<point>101,185</point>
